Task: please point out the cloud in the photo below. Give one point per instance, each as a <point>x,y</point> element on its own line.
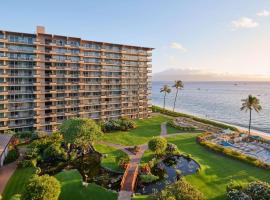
<point>244,22</point>
<point>176,45</point>
<point>264,13</point>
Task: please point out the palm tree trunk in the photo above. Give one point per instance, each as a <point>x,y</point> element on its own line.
<point>175,99</point>
<point>164,101</point>
<point>249,125</point>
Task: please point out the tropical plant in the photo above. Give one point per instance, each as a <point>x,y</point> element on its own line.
<point>54,152</point>
<point>249,104</point>
<point>179,190</point>
<point>42,188</point>
<point>157,145</point>
<point>166,90</point>
<point>178,85</point>
<point>81,132</point>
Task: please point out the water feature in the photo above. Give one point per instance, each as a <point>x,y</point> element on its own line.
<point>168,170</point>
<point>89,167</point>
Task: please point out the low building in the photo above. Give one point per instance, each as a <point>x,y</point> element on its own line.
<point>4,142</point>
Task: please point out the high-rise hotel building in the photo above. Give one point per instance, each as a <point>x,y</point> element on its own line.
<point>46,79</point>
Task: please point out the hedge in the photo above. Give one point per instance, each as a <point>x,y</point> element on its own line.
<point>12,155</point>
<point>201,139</point>
<point>198,119</point>
<point>180,128</point>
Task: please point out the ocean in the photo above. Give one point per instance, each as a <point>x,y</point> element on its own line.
<point>219,101</point>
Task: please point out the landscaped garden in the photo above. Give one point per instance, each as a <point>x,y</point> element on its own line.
<point>87,169</point>
<point>216,170</point>
<point>145,130</point>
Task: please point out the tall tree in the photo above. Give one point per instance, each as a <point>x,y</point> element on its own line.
<point>81,132</point>
<point>249,104</point>
<point>178,85</point>
<point>166,89</point>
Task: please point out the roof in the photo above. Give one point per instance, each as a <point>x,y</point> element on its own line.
<point>4,141</point>
<point>78,38</point>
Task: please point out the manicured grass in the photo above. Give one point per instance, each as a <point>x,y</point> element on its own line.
<point>112,153</point>
<point>216,170</point>
<point>141,197</point>
<point>71,188</point>
<point>17,182</point>
<point>146,129</point>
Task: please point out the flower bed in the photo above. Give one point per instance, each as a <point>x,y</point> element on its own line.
<point>180,128</point>
<point>202,139</point>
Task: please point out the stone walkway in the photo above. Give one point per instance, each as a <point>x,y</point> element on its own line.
<point>7,171</point>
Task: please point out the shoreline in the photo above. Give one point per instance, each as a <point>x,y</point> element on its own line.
<point>254,132</point>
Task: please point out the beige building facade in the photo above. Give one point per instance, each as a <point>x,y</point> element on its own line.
<point>46,79</point>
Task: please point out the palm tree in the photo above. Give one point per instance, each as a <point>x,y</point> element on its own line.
<point>178,85</point>
<point>166,89</point>
<point>249,104</point>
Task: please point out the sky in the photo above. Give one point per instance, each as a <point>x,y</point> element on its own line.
<point>224,36</point>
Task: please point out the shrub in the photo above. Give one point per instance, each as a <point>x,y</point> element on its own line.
<point>157,145</point>
<point>42,188</point>
<point>13,155</point>
<point>122,124</point>
<point>237,195</point>
<point>122,160</point>
<point>28,163</point>
<point>258,190</point>
<point>148,178</point>
<point>171,148</point>
<point>234,185</point>
<point>145,168</point>
<point>15,197</point>
<point>55,152</point>
<point>179,190</point>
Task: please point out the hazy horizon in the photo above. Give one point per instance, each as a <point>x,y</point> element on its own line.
<point>217,37</point>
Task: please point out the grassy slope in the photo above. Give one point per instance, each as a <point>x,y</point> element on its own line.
<point>147,128</point>
<point>17,181</point>
<point>71,188</point>
<point>112,153</point>
<point>217,170</point>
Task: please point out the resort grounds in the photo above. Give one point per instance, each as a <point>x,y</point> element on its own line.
<point>216,169</point>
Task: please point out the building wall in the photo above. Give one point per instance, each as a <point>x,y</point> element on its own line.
<point>46,79</point>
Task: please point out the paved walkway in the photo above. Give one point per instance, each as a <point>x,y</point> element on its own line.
<point>163,129</point>
<point>7,171</point>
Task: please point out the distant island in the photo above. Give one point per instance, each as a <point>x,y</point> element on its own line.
<point>199,75</point>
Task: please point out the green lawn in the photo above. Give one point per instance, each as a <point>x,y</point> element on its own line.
<point>147,128</point>
<point>16,183</point>
<point>216,170</point>
<point>71,188</point>
<point>112,153</point>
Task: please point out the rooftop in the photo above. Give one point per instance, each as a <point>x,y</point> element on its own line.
<point>4,141</point>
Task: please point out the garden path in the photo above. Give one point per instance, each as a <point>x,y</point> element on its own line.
<point>132,170</point>
<point>7,170</point>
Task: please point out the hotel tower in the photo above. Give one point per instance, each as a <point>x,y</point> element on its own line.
<point>46,79</point>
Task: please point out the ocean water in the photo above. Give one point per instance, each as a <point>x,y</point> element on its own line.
<point>220,101</point>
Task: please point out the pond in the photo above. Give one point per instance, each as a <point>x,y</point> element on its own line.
<point>168,170</point>
<point>89,167</point>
